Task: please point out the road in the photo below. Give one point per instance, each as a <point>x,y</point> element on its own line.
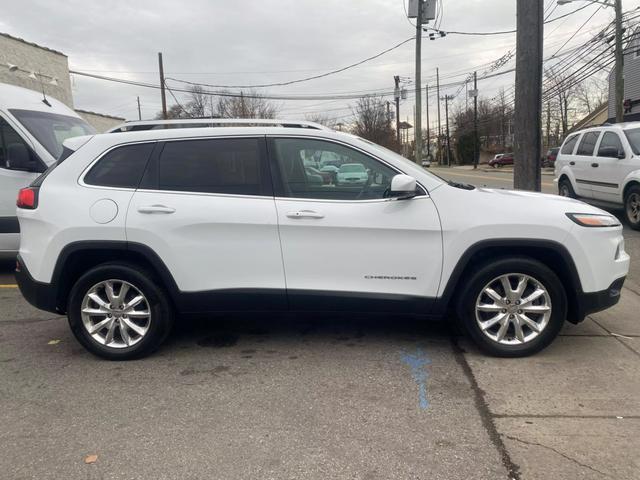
<point>317,397</point>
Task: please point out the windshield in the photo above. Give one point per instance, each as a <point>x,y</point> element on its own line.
<point>51,129</point>
<point>633,135</point>
<point>352,167</point>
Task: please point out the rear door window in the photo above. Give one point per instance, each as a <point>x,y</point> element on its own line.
<point>235,166</point>
<point>569,144</point>
<point>588,143</point>
<point>121,167</point>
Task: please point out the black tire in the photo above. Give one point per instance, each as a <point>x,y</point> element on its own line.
<point>159,323</point>
<point>512,265</point>
<point>632,195</point>
<point>565,189</point>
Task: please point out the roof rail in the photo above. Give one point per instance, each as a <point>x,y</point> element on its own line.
<point>137,125</point>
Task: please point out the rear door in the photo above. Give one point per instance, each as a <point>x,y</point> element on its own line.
<point>584,169</point>
<point>347,246</point>
<point>206,208</point>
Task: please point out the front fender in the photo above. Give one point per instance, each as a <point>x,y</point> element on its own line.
<point>633,177</point>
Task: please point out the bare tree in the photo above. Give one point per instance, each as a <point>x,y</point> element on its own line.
<point>372,121</point>
<point>590,95</point>
<point>322,119</point>
<point>199,105</point>
<point>251,105</point>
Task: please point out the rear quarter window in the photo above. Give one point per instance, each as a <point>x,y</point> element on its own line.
<point>121,167</point>
<point>569,144</point>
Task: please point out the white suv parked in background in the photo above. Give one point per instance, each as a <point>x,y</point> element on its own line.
<point>602,165</point>
<point>133,229</point>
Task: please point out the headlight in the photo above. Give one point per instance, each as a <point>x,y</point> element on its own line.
<point>594,220</point>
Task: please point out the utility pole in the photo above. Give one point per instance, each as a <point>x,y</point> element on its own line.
<point>446,114</point>
<point>426,98</point>
<point>418,123</point>
<point>476,145</point>
<point>439,123</point>
<point>528,93</point>
<point>619,63</point>
<point>162,92</point>
<point>396,91</point>
<point>139,113</point>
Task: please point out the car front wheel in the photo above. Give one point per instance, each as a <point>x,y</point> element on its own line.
<point>513,307</point>
<point>116,311</point>
<point>565,189</point>
<point>632,207</point>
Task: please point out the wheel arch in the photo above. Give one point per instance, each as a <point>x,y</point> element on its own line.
<point>78,257</point>
<point>551,253</point>
<point>633,179</point>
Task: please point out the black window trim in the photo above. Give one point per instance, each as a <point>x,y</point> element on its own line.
<point>278,188</point>
<point>266,182</point>
<point>88,168</point>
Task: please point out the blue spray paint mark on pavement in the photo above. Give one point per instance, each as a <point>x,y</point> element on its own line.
<point>418,363</point>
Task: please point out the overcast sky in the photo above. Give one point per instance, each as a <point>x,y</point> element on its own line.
<point>255,42</point>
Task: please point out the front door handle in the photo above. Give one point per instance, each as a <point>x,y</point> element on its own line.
<point>304,214</point>
<point>156,209</point>
<point>594,165</point>
<point>572,163</point>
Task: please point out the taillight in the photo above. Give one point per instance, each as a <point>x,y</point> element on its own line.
<point>28,198</point>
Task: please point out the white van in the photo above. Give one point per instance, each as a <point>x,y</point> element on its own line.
<point>32,129</point>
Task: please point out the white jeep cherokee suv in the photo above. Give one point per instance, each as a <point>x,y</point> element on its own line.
<point>602,165</point>
<point>133,229</point>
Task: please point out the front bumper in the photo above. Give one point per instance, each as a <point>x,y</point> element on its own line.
<point>593,302</point>
<point>40,295</point>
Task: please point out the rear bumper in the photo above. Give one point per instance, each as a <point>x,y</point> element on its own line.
<point>40,295</point>
<point>597,301</point>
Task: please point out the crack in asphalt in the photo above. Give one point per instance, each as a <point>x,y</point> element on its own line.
<point>571,459</point>
<point>513,470</point>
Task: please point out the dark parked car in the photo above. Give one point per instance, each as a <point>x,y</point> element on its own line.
<point>506,159</point>
<point>550,160</point>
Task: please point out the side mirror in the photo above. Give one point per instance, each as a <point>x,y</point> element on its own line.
<point>403,187</point>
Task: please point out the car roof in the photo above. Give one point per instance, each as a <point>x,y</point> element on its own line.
<point>14,97</point>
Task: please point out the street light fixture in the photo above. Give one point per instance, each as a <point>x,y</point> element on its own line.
<point>617,5</point>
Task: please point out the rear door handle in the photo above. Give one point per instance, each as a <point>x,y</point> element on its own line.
<point>156,209</point>
<point>594,165</point>
<point>304,214</point>
<point>572,163</point>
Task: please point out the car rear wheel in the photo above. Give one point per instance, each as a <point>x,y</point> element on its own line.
<point>513,307</point>
<point>565,189</point>
<point>632,207</point>
<point>117,312</point>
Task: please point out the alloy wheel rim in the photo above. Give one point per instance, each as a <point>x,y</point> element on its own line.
<point>633,207</point>
<point>116,314</point>
<point>513,309</point>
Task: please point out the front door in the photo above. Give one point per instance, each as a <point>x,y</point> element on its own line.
<point>12,179</point>
<point>206,208</point>
<point>344,244</point>
<point>605,175</point>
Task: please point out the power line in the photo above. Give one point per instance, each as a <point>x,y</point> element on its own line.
<point>300,80</point>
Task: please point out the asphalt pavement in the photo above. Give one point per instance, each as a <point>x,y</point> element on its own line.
<point>317,397</point>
